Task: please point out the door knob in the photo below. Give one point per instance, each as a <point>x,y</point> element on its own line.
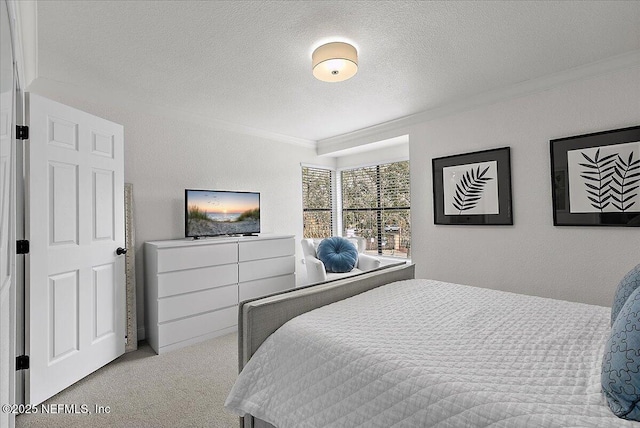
<point>120,251</point>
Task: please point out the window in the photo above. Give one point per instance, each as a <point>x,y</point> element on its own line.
<point>317,202</point>
<point>376,205</point>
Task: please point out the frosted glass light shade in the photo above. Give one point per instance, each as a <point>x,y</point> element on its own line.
<point>335,62</point>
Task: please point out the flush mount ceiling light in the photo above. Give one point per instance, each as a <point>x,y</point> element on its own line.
<point>335,62</point>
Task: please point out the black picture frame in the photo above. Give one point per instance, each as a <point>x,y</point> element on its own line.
<point>458,200</point>
<point>589,174</point>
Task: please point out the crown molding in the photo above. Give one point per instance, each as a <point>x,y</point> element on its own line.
<point>121,99</point>
<point>401,126</point>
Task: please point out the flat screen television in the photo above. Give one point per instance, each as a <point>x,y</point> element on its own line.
<point>220,212</point>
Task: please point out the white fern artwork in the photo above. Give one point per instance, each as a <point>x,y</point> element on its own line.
<point>605,179</point>
<point>471,189</point>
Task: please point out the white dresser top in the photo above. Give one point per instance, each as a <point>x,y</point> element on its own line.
<point>187,242</point>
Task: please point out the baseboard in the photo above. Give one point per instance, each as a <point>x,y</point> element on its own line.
<point>197,339</point>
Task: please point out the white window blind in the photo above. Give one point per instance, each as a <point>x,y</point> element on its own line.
<point>376,205</point>
<point>317,202</point>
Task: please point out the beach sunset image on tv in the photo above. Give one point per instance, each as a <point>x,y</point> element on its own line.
<point>213,213</point>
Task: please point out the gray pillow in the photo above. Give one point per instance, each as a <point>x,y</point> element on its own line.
<point>629,283</point>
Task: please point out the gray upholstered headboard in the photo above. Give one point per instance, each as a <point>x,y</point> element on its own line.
<point>259,318</point>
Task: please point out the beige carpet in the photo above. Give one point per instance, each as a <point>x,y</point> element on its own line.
<point>182,388</point>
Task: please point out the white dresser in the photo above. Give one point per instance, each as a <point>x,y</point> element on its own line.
<point>192,287</point>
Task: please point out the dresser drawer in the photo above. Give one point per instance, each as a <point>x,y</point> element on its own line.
<point>249,271</point>
<point>184,305</point>
<point>256,250</point>
<point>188,328</point>
<point>179,258</point>
<point>170,283</point>
<point>262,287</point>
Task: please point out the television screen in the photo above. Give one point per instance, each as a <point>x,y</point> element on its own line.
<point>216,212</point>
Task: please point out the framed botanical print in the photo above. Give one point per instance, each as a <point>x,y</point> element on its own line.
<point>473,188</point>
<point>596,179</point>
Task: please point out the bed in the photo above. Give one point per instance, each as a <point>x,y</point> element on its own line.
<point>406,352</point>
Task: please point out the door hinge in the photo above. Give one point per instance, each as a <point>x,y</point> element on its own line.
<point>22,362</point>
<point>22,246</point>
<point>22,132</point>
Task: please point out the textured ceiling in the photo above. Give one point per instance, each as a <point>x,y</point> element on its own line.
<point>249,63</point>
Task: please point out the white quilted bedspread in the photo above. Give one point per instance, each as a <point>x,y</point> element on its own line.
<point>423,353</point>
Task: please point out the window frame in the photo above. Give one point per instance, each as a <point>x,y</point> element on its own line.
<point>332,209</point>
<point>379,210</point>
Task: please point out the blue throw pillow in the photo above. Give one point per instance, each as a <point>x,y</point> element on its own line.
<point>629,283</point>
<point>338,254</point>
<point>620,376</point>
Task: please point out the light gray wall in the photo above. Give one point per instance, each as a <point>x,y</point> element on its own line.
<point>163,156</point>
<point>581,264</point>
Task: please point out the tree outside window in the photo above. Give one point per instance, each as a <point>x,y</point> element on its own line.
<point>376,205</point>
<point>317,202</point>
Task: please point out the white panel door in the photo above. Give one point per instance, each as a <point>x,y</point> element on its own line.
<point>75,224</point>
